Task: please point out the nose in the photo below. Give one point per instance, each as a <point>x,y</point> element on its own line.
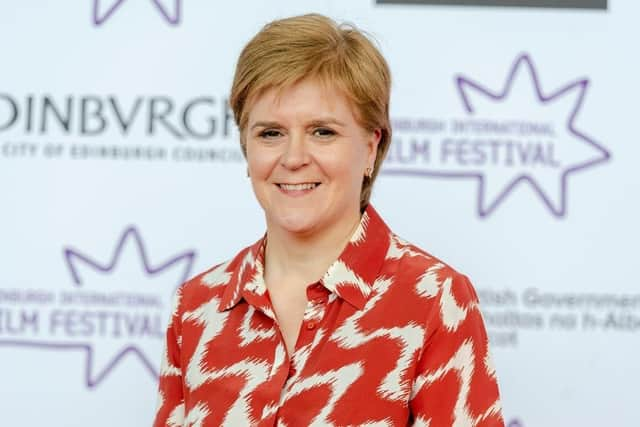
<point>296,154</point>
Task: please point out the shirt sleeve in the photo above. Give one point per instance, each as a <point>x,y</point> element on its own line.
<point>170,412</point>
<point>455,382</point>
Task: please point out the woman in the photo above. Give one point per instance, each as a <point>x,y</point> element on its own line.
<point>329,319</point>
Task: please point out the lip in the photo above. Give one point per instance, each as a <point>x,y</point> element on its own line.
<point>297,193</point>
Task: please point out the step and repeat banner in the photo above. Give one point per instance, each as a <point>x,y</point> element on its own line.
<point>514,159</point>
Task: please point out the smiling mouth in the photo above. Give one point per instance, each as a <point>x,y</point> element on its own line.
<point>298,187</point>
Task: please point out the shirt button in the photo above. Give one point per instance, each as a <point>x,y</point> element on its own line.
<point>292,371</point>
<point>311,325</point>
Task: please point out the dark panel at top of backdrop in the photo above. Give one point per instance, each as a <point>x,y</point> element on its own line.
<point>556,4</point>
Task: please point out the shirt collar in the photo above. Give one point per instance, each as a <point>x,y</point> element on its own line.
<point>351,276</point>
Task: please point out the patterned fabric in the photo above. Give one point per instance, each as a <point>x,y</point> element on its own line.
<point>391,336</point>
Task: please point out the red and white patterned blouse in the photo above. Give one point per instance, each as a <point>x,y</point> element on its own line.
<point>391,336</point>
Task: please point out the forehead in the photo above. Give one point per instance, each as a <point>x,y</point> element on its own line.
<point>304,99</point>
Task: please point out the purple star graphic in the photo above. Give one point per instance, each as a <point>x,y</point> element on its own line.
<point>581,85</point>
<point>72,258</point>
<point>99,19</point>
<point>523,63</point>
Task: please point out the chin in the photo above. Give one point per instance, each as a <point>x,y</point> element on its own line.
<point>297,224</point>
<point>297,221</point>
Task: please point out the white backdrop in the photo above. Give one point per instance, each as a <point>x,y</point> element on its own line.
<point>514,159</point>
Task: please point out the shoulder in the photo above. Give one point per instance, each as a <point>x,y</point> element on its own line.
<point>212,282</point>
<point>432,281</point>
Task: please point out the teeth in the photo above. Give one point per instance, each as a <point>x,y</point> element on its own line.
<point>298,187</point>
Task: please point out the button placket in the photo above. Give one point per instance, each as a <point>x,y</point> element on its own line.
<point>292,370</point>
<point>311,325</point>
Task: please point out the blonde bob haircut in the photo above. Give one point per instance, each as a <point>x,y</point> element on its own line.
<point>289,50</point>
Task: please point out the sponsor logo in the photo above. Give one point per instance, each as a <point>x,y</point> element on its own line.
<point>201,117</point>
<point>111,309</point>
<point>517,134</point>
<point>82,127</point>
<point>553,4</point>
<point>102,12</point>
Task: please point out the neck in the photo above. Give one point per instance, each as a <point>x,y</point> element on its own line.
<point>293,259</point>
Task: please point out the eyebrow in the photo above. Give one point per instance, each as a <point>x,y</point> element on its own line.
<point>315,122</point>
<point>265,125</point>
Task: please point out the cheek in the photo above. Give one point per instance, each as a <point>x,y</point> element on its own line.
<point>259,162</point>
<point>255,166</point>
<point>346,167</point>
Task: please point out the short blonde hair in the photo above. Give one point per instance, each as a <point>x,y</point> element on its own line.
<point>289,50</point>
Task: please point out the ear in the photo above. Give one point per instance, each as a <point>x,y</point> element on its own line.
<point>372,145</point>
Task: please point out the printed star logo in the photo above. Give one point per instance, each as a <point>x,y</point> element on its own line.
<point>576,150</point>
<point>517,134</point>
<point>102,13</point>
<point>117,307</point>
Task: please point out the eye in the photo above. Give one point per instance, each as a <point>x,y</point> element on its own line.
<point>323,132</point>
<point>270,134</point>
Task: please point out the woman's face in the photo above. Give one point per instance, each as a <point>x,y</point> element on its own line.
<point>307,156</point>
